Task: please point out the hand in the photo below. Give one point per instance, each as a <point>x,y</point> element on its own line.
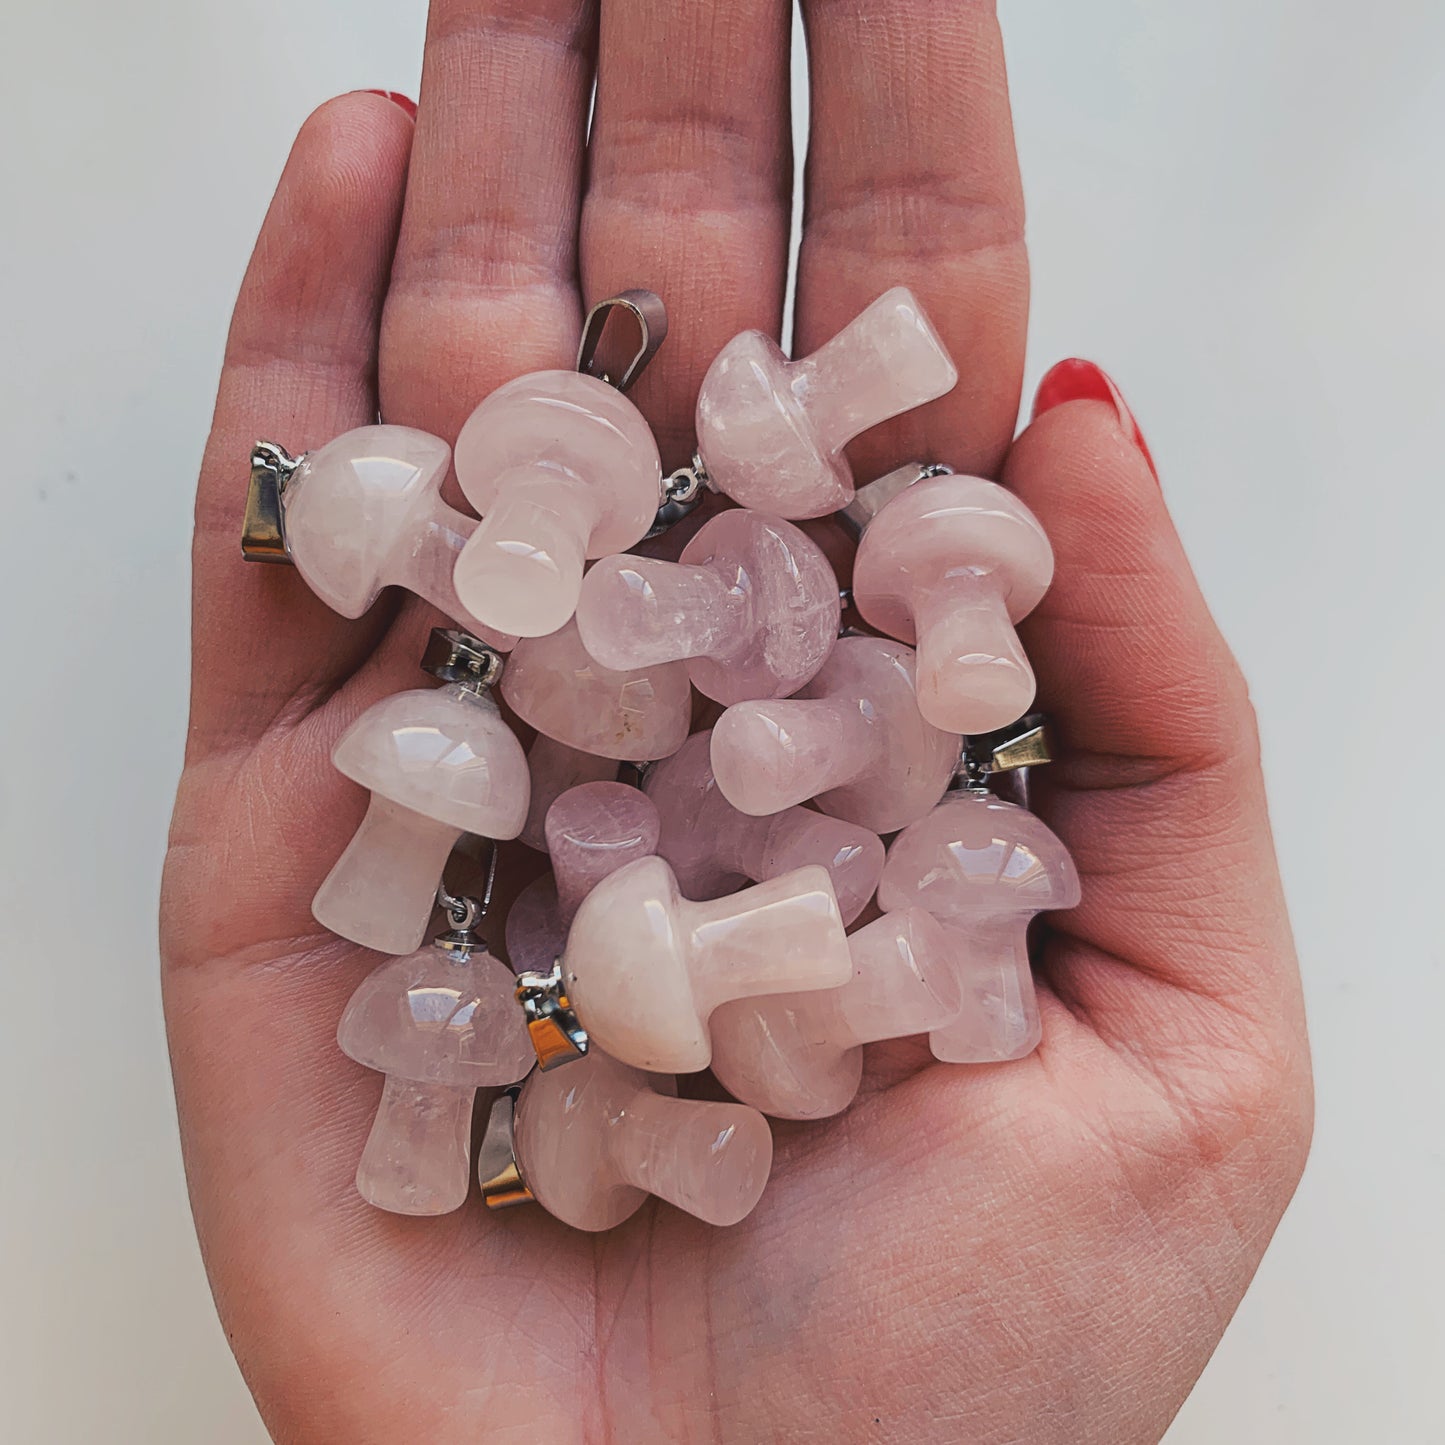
<point>1043,1251</point>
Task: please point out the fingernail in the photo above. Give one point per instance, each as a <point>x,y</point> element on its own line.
<point>396,98</point>
<point>1079,380</point>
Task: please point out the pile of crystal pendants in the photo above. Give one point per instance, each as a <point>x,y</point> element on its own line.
<point>764,840</point>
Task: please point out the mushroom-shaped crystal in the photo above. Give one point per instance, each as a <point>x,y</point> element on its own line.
<point>592,831</point>
<point>983,868</point>
<point>953,562</point>
<point>554,684</point>
<point>561,467</point>
<point>800,1056</point>
<point>440,762</point>
<point>365,512</point>
<point>440,1025</point>
<point>853,738</point>
<point>771,431</point>
<point>752,604</point>
<point>644,968</point>
<point>714,849</point>
<point>594,1139</point>
<point>555,768</point>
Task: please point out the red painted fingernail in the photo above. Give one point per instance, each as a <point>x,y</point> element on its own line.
<point>1079,380</point>
<point>396,98</point>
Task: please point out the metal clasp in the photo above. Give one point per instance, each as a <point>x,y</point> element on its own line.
<point>1015,749</point>
<point>456,656</point>
<point>872,497</point>
<point>650,317</point>
<point>263,528</point>
<point>681,493</point>
<point>497,1170</point>
<point>557,1037</point>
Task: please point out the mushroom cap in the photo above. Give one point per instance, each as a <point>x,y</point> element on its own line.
<point>943,525</point>
<point>435,1018</point>
<point>578,426</point>
<point>442,752</point>
<point>352,504</point>
<point>976,855</point>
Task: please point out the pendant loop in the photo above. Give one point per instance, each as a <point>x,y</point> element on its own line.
<point>456,656</point>
<point>557,1037</point>
<point>650,317</point>
<point>263,528</point>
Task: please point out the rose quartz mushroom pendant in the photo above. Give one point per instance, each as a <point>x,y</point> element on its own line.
<point>954,562</point>
<point>440,1024</point>
<point>555,685</point>
<point>753,605</point>
<point>853,739</point>
<point>593,1140</point>
<point>771,432</point>
<point>556,768</point>
<point>983,868</point>
<point>714,849</point>
<point>439,762</point>
<point>800,1056</point>
<point>561,467</point>
<point>362,513</point>
<point>643,968</point>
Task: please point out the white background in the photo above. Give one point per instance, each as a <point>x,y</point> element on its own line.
<point>1236,207</point>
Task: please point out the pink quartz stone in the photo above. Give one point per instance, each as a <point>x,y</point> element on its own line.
<point>644,968</point>
<point>983,868</point>
<point>753,604</point>
<point>595,1138</point>
<point>440,762</point>
<point>440,1026</point>
<point>555,768</point>
<point>591,832</point>
<point>954,562</point>
<point>365,512</point>
<point>772,431</point>
<point>562,467</point>
<point>714,849</point>
<point>800,1056</point>
<point>556,686</point>
<point>853,739</point>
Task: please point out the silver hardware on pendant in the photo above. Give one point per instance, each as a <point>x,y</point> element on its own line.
<point>1015,750</point>
<point>646,310</point>
<point>263,528</point>
<point>872,497</point>
<point>456,656</point>
<point>497,1167</point>
<point>464,913</point>
<point>557,1037</point>
<point>681,493</point>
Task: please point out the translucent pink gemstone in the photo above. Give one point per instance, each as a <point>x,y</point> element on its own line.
<point>554,684</point>
<point>562,467</point>
<point>714,849</point>
<point>439,762</point>
<point>439,1027</point>
<point>365,512</point>
<point>594,1138</point>
<point>983,868</point>
<point>752,602</point>
<point>853,739</point>
<point>954,562</point>
<point>645,968</point>
<point>800,1056</point>
<point>555,768</point>
<point>772,431</point>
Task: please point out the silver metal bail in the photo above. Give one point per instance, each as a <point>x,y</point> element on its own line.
<point>497,1169</point>
<point>456,656</point>
<point>681,493</point>
<point>872,497</point>
<point>263,527</point>
<point>557,1037</point>
<point>1015,749</point>
<point>605,362</point>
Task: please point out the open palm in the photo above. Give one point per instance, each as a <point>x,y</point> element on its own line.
<point>1046,1250</point>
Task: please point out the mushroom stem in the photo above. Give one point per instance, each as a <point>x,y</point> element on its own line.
<point>417,1158</point>
<point>1000,1017</point>
<point>429,561</point>
<point>381,892</point>
<point>639,611</point>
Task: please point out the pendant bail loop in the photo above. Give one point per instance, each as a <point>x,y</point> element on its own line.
<point>648,314</point>
<point>456,656</point>
<point>557,1037</point>
<point>263,527</point>
<point>1015,749</point>
<point>497,1168</point>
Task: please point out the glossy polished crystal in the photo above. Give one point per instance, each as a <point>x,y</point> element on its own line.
<point>561,467</point>
<point>752,604</point>
<point>772,431</point>
<point>800,1056</point>
<point>853,739</point>
<point>440,1026</point>
<point>595,1138</point>
<point>365,512</point>
<point>554,684</point>
<point>644,968</point>
<point>439,762</point>
<point>714,849</point>
<point>954,562</point>
<point>591,832</point>
<point>555,768</point>
<point>983,868</point>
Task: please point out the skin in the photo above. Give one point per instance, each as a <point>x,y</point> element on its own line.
<point>1045,1251</point>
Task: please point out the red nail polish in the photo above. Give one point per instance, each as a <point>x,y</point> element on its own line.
<point>396,98</point>
<point>1079,380</point>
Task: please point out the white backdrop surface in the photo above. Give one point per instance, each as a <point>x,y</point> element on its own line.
<point>1236,208</point>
